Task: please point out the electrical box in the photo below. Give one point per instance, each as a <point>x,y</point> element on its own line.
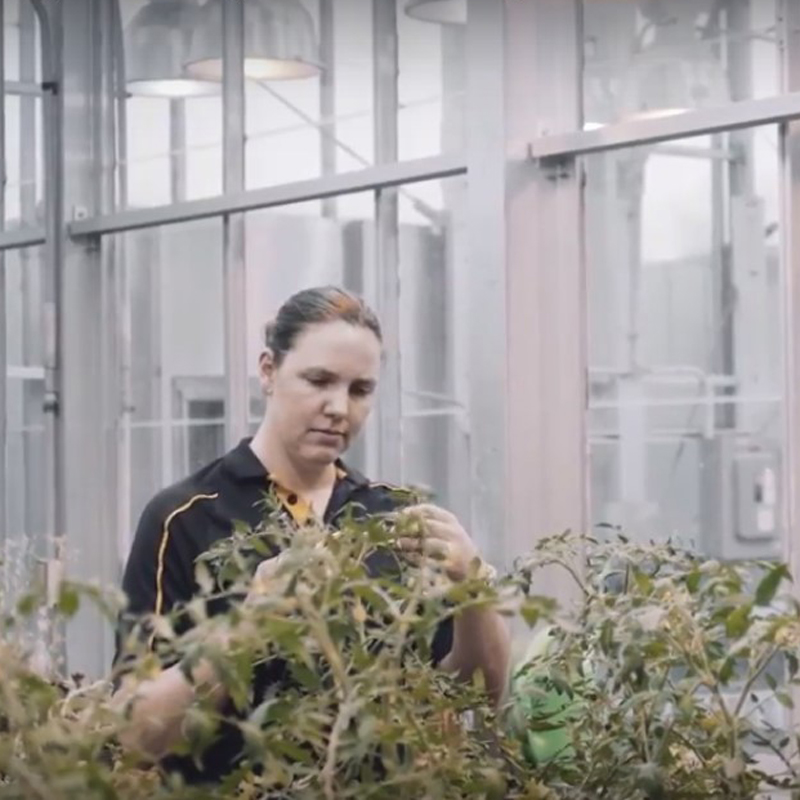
<point>740,500</point>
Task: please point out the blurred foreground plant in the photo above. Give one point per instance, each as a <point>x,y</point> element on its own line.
<point>354,707</point>
<point>653,685</point>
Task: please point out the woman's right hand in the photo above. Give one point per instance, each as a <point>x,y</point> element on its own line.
<point>266,579</point>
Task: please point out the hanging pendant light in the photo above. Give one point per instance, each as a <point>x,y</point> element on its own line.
<point>445,12</point>
<point>156,48</point>
<point>279,41</point>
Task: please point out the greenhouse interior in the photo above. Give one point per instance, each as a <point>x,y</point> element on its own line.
<point>573,218</point>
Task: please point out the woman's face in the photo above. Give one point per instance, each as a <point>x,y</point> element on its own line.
<point>323,390</point>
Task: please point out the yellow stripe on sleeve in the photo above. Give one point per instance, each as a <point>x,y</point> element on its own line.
<point>162,549</point>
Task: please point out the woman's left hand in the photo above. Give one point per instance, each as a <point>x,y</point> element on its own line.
<point>442,538</point>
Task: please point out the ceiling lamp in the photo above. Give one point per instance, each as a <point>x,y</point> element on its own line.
<point>445,12</point>
<point>156,47</point>
<point>279,41</point>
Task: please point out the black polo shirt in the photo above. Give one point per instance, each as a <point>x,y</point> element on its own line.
<point>184,520</point>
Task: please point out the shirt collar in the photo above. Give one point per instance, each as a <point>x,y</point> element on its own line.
<point>244,464</point>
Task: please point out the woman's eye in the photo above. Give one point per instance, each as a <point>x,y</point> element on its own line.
<point>361,391</point>
<point>317,380</point>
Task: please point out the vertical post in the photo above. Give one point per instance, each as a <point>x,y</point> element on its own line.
<point>3,315</point>
<point>52,32</point>
<point>29,144</point>
<point>119,143</point>
<point>790,251</point>
<point>485,292</point>
<point>547,463</point>
<point>31,264</point>
<point>111,274</point>
<point>327,98</point>
<point>387,256</point>
<point>234,267</point>
<point>74,325</point>
<point>177,150</point>
<point>457,272</point>
<point>526,261</point>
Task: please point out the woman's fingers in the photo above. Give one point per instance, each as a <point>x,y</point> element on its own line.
<point>424,547</point>
<point>428,511</point>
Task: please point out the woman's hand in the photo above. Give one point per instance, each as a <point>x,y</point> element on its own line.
<point>441,537</point>
<point>266,579</point>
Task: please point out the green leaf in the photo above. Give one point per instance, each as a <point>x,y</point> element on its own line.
<point>291,750</point>
<point>27,604</point>
<point>768,586</point>
<point>738,621</point>
<point>68,600</point>
<point>726,671</point>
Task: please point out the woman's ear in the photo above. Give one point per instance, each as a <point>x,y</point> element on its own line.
<point>266,371</point>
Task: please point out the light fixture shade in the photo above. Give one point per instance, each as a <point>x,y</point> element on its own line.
<point>445,12</point>
<point>279,41</point>
<point>156,47</point>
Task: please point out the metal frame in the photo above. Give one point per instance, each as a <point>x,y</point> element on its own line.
<point>374,178</point>
<point>545,296</point>
<point>24,89</point>
<point>486,291</point>
<point>389,416</point>
<point>790,246</point>
<point>237,410</point>
<point>633,133</point>
<point>24,237</point>
<point>3,298</point>
<point>327,97</point>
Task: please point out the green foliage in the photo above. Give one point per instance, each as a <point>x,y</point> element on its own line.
<point>649,686</point>
<point>657,681</point>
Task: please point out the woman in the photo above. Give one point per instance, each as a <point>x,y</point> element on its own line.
<point>319,372</point>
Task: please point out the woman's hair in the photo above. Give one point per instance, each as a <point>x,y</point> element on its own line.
<point>314,306</point>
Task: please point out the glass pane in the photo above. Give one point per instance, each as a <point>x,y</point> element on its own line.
<point>431,84</point>
<point>26,477</point>
<point>174,128</point>
<point>320,124</point>
<point>686,388</point>
<point>24,151</point>
<point>176,358</point>
<point>433,271</point>
<point>666,56</point>
<point>11,9</point>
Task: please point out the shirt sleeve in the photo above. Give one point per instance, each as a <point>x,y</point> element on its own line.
<point>159,573</point>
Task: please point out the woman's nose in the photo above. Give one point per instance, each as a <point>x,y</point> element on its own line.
<point>336,402</point>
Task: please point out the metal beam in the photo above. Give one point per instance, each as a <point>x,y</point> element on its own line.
<point>234,270</point>
<point>387,255</point>
<point>635,133</point>
<point>80,396</point>
<point>24,237</point>
<point>484,291</point>
<point>546,459</point>
<point>790,252</point>
<point>327,98</point>
<point>379,177</point>
<point>3,306</point>
<point>54,494</point>
<point>23,88</point>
